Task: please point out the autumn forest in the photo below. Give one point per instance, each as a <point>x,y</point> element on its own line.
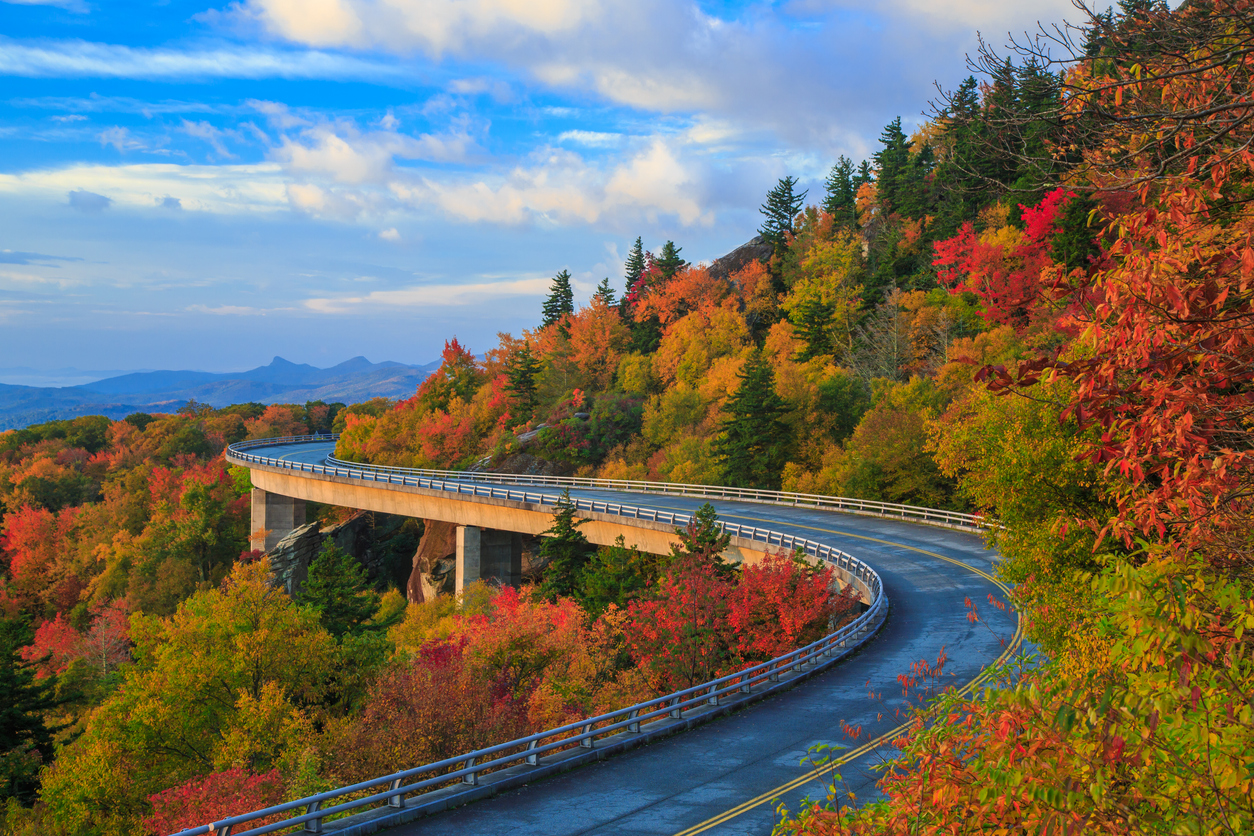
<point>1037,307</point>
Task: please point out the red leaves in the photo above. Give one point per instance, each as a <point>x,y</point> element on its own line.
<point>213,797</point>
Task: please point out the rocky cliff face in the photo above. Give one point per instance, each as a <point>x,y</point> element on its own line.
<point>365,536</point>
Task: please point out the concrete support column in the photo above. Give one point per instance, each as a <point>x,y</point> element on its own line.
<point>488,554</point>
<point>274,517</point>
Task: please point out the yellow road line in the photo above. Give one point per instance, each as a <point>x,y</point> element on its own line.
<point>865,748</point>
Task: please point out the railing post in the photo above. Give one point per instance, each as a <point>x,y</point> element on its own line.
<point>675,710</point>
<point>587,742</point>
<point>471,778</point>
<point>313,825</point>
<point>397,801</point>
<point>532,758</point>
<point>634,726</point>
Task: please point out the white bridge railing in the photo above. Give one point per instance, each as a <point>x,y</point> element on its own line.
<point>850,505</point>
<point>399,789</point>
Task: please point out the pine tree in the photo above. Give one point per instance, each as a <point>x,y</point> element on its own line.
<point>703,538</point>
<point>604,293</point>
<point>813,320</point>
<point>561,301</point>
<point>337,589</point>
<point>565,550</point>
<point>634,268</point>
<point>781,207</point>
<point>865,175</point>
<point>841,193</point>
<point>892,162</point>
<point>668,261</point>
<point>25,739</point>
<point>753,442</point>
<point>521,372</point>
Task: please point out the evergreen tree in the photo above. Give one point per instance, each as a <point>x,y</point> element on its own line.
<point>604,293</point>
<point>781,207</point>
<point>865,175</point>
<point>753,442</point>
<point>891,163</point>
<point>703,538</point>
<point>521,373</point>
<point>561,301</point>
<point>813,320</point>
<point>565,550</point>
<point>337,589</point>
<point>634,268</point>
<point>25,739</point>
<point>668,261</point>
<point>615,575</point>
<point>841,193</point>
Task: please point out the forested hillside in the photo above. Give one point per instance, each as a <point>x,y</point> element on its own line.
<point>1038,306</point>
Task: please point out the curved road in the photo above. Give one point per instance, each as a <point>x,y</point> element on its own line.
<point>726,777</point>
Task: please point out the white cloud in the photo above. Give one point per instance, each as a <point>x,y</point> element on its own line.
<point>121,139</point>
<point>432,294</point>
<point>435,26</point>
<point>227,310</point>
<point>210,134</point>
<point>592,138</point>
<point>390,234</point>
<point>76,59</point>
<point>350,156</point>
<point>227,189</point>
<point>69,5</point>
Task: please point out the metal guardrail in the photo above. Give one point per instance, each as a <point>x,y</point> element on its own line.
<point>394,790</point>
<point>851,505</point>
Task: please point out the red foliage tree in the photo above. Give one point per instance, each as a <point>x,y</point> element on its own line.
<point>213,797</point>
<point>781,604</point>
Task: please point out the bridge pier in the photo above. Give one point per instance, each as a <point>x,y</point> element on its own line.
<point>488,554</point>
<point>274,517</point>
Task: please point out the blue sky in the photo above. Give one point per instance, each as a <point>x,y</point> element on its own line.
<point>206,185</point>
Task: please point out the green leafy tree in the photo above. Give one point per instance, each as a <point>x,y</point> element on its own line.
<point>561,301</point>
<point>337,589</point>
<point>565,550</point>
<point>781,207</point>
<point>753,442</point>
<point>25,739</point>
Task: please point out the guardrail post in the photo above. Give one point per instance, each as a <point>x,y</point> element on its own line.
<point>532,758</point>
<point>471,778</point>
<point>713,698</point>
<point>313,825</point>
<point>225,830</point>
<point>676,711</point>
<point>744,685</point>
<point>634,726</point>
<point>398,800</point>
<point>587,742</point>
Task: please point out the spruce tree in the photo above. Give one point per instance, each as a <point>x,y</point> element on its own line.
<point>703,539</point>
<point>668,261</point>
<point>565,549</point>
<point>841,193</point>
<point>782,205</point>
<point>813,320</point>
<point>337,589</point>
<point>604,293</point>
<point>25,739</point>
<point>561,301</point>
<point>634,268</point>
<point>892,162</point>
<point>521,372</point>
<point>753,442</point>
<point>865,175</point>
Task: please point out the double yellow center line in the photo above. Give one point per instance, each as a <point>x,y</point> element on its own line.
<point>887,736</point>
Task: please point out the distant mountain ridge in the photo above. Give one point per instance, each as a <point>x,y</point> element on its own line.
<point>281,381</point>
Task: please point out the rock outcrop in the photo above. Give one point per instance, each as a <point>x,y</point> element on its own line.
<point>358,536</point>
<point>759,249</point>
<point>435,562</point>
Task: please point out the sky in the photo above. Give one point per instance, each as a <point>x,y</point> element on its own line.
<point>203,185</point>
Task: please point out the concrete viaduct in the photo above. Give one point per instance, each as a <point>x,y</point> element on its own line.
<point>727,776</point>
